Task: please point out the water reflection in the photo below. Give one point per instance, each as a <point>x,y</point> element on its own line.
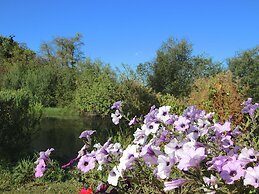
<point>62,134</point>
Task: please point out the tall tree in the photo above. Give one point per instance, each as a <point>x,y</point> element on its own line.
<point>66,52</point>
<point>175,68</point>
<point>245,67</point>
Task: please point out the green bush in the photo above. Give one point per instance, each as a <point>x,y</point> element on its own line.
<point>19,116</point>
<point>96,89</point>
<point>177,106</point>
<point>137,99</point>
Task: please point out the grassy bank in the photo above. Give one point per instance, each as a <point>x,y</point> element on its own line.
<point>59,112</point>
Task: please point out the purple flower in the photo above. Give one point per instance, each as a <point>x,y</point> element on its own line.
<point>150,128</point>
<point>115,149</point>
<point>165,164</point>
<point>218,162</point>
<point>101,187</point>
<point>149,153</point>
<point>163,113</point>
<point>44,155</point>
<point>116,117</point>
<point>128,157</point>
<point>252,176</point>
<point>191,158</point>
<point>86,163</point>
<point>174,184</point>
<point>133,121</point>
<point>226,141</point>
<point>116,105</point>
<point>151,116</point>
<point>163,138</point>
<point>40,169</point>
<point>192,113</point>
<point>182,124</point>
<point>222,128</point>
<point>248,155</point>
<point>86,134</point>
<point>249,108</point>
<point>140,136</point>
<point>232,171</point>
<point>173,146</point>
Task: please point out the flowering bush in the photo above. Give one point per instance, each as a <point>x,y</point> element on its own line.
<point>183,153</point>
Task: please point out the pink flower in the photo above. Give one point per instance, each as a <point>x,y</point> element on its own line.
<point>40,169</point>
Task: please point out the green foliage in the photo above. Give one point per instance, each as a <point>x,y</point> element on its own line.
<point>177,106</point>
<point>17,122</point>
<point>245,67</point>
<point>96,88</point>
<point>175,68</point>
<point>63,52</point>
<point>137,99</point>
<point>23,172</point>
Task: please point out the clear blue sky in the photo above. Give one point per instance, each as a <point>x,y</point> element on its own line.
<point>130,31</point>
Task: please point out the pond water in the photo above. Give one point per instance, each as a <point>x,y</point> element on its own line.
<point>62,134</point>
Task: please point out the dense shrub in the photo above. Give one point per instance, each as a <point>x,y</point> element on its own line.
<point>177,105</point>
<point>137,99</point>
<point>19,116</point>
<point>96,88</point>
<point>218,94</point>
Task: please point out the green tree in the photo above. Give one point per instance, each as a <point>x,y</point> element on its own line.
<point>245,67</point>
<point>14,60</point>
<point>96,88</point>
<point>65,52</point>
<point>175,68</point>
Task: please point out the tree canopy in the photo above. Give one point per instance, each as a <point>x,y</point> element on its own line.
<point>245,67</point>
<point>175,68</point>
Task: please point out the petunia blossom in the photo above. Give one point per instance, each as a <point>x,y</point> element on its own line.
<point>252,176</point>
<point>170,185</point>
<point>248,155</point>
<point>164,166</point>
<point>44,155</point>
<point>129,155</point>
<point>114,176</point>
<point>232,171</point>
<point>40,169</point>
<point>116,105</point>
<point>86,163</point>
<point>140,136</point>
<point>181,124</point>
<point>150,154</point>
<point>86,134</point>
<point>163,113</point>
<point>116,117</point>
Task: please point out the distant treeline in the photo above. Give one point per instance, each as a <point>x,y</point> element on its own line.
<point>61,76</point>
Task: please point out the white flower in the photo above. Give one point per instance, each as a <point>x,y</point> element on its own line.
<point>165,164</point>
<point>150,128</point>
<point>163,113</point>
<point>116,117</point>
<point>140,136</point>
<point>128,157</point>
<point>114,176</point>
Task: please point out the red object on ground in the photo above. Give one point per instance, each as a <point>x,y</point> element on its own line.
<point>86,191</point>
